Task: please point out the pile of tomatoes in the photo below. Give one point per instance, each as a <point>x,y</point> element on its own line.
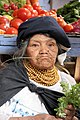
<point>27,11</point>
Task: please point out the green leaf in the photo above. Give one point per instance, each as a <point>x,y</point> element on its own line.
<point>72,96</point>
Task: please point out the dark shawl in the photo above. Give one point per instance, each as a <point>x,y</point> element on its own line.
<point>14,78</point>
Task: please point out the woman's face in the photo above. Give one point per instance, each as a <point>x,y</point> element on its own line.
<point>43,51</point>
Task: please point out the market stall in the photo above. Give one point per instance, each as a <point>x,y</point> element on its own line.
<point>13,13</point>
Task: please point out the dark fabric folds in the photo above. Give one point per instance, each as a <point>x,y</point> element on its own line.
<point>48,97</point>
<point>14,78</point>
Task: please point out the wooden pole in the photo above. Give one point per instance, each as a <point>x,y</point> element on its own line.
<point>77,70</point>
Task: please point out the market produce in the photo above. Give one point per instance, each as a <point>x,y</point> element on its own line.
<point>13,13</point>
<point>30,8</point>
<point>15,22</point>
<point>70,11</point>
<point>72,96</point>
<point>61,21</point>
<point>8,17</point>
<point>34,13</point>
<point>11,30</point>
<point>68,28</point>
<point>4,23</point>
<point>8,6</point>
<point>2,31</point>
<point>23,14</point>
<point>3,26</point>
<point>76,26</point>
<point>4,20</point>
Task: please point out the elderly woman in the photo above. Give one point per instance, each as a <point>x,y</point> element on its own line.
<point>30,84</point>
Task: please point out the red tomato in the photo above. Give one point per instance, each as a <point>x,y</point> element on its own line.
<point>68,28</point>
<point>15,22</point>
<point>41,15</point>
<point>23,14</point>
<point>36,6</point>
<point>61,21</point>
<point>11,30</point>
<point>39,11</point>
<point>34,13</point>
<point>28,6</point>
<point>46,13</point>
<point>4,20</point>
<point>14,14</point>
<point>3,26</point>
<point>43,11</point>
<point>53,15</point>
<point>53,11</point>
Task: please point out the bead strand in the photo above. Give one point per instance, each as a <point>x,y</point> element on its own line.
<point>44,77</point>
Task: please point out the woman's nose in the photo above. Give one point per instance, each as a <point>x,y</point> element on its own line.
<point>44,50</point>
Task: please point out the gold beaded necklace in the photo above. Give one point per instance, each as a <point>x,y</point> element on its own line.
<point>44,77</point>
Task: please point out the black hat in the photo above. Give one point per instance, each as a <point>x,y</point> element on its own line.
<point>45,24</point>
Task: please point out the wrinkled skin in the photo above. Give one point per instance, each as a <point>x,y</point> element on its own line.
<point>43,51</point>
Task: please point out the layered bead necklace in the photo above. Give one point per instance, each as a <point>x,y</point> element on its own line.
<point>44,77</point>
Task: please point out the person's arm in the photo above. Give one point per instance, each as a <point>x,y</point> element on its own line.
<point>36,117</point>
<point>70,112</point>
<point>70,115</point>
<point>42,117</point>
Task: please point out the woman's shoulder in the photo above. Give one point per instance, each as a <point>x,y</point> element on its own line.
<point>14,70</point>
<point>9,69</point>
<point>10,66</point>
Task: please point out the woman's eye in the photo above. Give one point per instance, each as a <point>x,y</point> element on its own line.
<point>34,45</point>
<point>51,44</point>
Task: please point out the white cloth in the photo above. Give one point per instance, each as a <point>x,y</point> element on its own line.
<point>25,103</point>
<point>61,58</point>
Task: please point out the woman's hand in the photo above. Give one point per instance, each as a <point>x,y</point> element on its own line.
<point>36,117</point>
<point>70,113</point>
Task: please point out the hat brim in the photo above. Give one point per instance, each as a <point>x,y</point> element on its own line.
<point>44,24</point>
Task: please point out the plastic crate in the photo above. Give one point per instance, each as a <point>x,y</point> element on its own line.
<point>8,44</point>
<point>75,46</point>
